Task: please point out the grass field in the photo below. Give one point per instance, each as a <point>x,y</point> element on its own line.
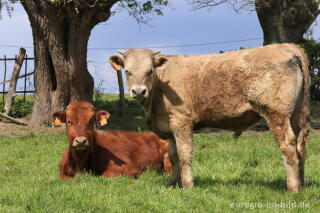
<point>231,175</point>
<point>227,172</point>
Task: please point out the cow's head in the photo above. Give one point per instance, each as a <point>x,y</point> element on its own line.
<point>139,65</point>
<point>80,119</point>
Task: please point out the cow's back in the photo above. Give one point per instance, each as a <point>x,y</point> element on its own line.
<point>219,89</point>
<point>203,72</point>
<point>134,149</point>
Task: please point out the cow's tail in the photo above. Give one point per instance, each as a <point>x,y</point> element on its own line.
<point>303,112</point>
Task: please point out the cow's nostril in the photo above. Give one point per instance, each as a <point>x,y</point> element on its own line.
<point>81,140</point>
<point>134,92</point>
<point>144,92</point>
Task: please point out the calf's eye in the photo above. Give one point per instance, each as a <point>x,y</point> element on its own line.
<point>128,73</point>
<point>149,73</point>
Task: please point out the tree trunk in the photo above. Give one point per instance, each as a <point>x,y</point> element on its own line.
<point>285,21</point>
<point>60,35</point>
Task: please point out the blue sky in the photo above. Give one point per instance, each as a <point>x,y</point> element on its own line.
<point>180,25</point>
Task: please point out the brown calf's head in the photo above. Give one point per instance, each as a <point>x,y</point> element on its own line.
<point>140,65</point>
<point>80,118</point>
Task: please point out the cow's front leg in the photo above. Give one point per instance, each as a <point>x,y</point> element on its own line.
<point>67,170</point>
<point>182,132</point>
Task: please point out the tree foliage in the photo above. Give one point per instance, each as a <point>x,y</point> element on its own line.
<point>7,5</point>
<point>312,48</point>
<point>138,9</point>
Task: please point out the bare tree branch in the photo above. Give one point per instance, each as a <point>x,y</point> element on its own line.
<point>140,10</point>
<point>14,120</point>
<point>237,5</point>
<point>199,4</point>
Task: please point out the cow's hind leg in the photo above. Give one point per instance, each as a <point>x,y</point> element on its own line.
<point>281,128</point>
<point>300,126</point>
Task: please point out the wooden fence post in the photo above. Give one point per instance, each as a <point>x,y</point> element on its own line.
<point>4,77</point>
<point>121,93</point>
<point>25,79</point>
<point>13,82</point>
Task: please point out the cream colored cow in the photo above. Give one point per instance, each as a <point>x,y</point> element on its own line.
<point>231,91</point>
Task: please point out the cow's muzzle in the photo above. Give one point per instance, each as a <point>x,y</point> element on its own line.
<point>80,143</point>
<point>139,92</point>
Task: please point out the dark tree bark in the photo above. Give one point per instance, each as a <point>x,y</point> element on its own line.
<point>61,30</point>
<point>286,21</point>
<point>60,35</point>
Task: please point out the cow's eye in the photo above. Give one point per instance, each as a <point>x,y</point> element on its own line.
<point>128,73</point>
<point>69,123</point>
<point>149,73</point>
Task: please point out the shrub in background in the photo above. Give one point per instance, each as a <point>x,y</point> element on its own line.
<point>19,108</point>
<point>312,48</point>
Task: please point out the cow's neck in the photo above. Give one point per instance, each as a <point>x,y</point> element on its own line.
<point>150,104</point>
<point>155,92</point>
<point>82,159</point>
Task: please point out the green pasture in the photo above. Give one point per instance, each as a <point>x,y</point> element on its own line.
<point>231,175</point>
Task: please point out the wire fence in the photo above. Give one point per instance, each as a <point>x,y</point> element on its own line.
<point>25,85</point>
<point>105,79</point>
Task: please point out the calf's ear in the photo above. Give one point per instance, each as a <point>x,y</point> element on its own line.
<point>116,62</point>
<point>159,61</point>
<point>58,118</point>
<point>102,117</point>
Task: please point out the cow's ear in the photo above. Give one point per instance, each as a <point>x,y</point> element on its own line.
<point>116,62</point>
<point>159,61</point>
<point>156,52</point>
<point>102,117</point>
<point>58,118</point>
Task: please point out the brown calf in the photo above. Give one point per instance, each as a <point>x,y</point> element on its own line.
<point>110,153</point>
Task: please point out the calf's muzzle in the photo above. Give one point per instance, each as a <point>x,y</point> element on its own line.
<point>139,91</point>
<point>80,142</point>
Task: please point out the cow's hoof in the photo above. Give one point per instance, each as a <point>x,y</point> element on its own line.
<point>293,190</point>
<point>187,184</point>
<point>293,186</point>
<point>175,183</point>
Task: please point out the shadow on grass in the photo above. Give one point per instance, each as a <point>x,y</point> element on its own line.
<point>132,120</point>
<point>205,182</point>
<point>276,185</point>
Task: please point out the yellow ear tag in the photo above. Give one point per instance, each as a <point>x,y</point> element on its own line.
<point>103,121</point>
<point>116,66</point>
<point>57,121</point>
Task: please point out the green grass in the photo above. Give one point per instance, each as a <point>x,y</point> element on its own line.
<point>247,171</point>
